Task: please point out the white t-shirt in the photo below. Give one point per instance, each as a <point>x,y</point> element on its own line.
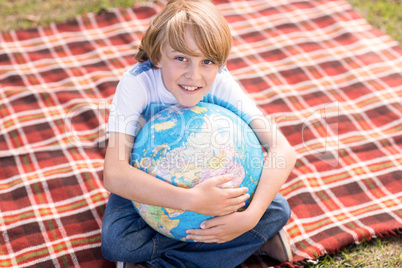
<point>140,94</point>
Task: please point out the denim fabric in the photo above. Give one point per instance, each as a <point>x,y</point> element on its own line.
<point>126,237</point>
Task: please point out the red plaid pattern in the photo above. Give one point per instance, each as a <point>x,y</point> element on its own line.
<point>330,82</point>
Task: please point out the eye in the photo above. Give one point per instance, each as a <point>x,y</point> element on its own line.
<point>208,62</point>
<point>181,59</point>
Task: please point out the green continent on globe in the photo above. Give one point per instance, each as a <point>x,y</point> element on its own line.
<point>185,146</point>
<point>157,218</point>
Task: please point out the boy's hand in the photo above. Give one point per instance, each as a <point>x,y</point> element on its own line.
<point>221,229</point>
<point>209,199</point>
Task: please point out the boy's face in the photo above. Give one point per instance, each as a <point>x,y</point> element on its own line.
<point>188,78</point>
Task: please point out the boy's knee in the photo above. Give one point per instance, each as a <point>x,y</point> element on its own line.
<point>282,207</point>
<point>129,242</point>
<point>114,249</point>
<point>285,207</point>
<point>110,249</point>
<point>278,213</point>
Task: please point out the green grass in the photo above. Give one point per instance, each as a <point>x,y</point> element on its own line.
<point>372,254</point>
<point>385,15</point>
<point>19,14</point>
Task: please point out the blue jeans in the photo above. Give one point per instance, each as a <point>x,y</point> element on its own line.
<point>126,237</point>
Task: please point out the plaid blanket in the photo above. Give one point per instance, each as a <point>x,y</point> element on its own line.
<point>330,82</point>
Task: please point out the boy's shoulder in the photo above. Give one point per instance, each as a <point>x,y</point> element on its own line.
<point>140,68</point>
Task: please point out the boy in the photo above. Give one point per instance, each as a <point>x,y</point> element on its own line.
<point>182,61</point>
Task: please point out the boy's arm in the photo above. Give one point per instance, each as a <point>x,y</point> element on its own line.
<point>225,228</point>
<point>274,173</point>
<point>131,183</point>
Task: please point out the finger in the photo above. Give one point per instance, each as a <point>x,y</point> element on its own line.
<point>232,208</point>
<point>205,225</point>
<point>210,227</point>
<point>236,192</point>
<point>237,207</point>
<point>241,198</point>
<point>204,239</point>
<point>202,235</point>
<point>216,181</point>
<point>206,230</point>
<point>234,205</point>
<point>237,202</point>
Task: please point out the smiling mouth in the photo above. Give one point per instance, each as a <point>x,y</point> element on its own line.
<point>190,89</point>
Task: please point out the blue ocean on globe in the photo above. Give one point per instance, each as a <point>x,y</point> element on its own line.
<point>185,146</point>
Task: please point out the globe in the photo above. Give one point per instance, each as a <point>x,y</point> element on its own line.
<point>185,146</point>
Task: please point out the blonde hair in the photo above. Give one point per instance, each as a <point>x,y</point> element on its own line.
<point>209,29</point>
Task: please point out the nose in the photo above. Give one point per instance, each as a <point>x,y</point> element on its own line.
<point>193,72</point>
